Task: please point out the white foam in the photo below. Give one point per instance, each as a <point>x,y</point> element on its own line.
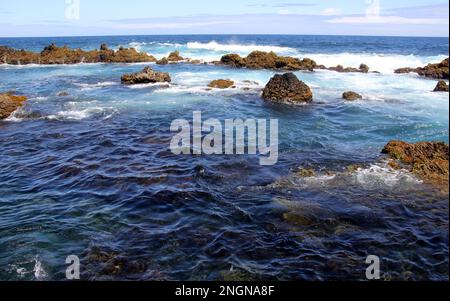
<point>384,63</point>
<point>382,174</point>
<point>39,272</point>
<point>80,114</point>
<point>214,46</point>
<point>97,85</point>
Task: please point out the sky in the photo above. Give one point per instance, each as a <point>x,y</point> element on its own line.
<point>25,18</point>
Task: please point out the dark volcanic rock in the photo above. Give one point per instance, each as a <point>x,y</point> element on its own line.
<point>9,103</point>
<point>363,68</point>
<point>233,60</point>
<point>441,87</point>
<point>287,88</point>
<point>162,61</point>
<point>267,60</point>
<point>221,84</point>
<point>146,76</point>
<point>351,96</point>
<point>437,71</point>
<point>53,54</point>
<point>175,57</point>
<point>428,160</point>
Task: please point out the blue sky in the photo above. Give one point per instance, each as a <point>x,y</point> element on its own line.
<point>112,17</point>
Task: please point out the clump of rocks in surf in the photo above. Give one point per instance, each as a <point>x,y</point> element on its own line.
<point>351,96</point>
<point>427,160</point>
<point>53,54</point>
<point>10,103</point>
<point>436,71</point>
<point>287,88</point>
<point>221,84</point>
<point>441,87</point>
<point>267,60</point>
<point>146,76</point>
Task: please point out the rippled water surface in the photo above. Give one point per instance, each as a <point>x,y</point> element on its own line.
<point>91,173</point>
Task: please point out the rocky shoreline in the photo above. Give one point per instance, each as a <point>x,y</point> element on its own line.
<point>53,54</point>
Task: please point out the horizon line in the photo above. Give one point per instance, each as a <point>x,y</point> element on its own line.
<point>212,34</point>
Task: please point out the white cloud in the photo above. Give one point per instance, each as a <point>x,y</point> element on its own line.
<point>331,11</point>
<point>388,20</point>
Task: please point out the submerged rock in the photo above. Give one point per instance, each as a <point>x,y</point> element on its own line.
<point>53,54</point>
<point>146,76</point>
<point>175,57</point>
<point>351,96</point>
<point>287,88</point>
<point>221,84</point>
<point>441,87</point>
<point>63,94</point>
<point>267,60</point>
<point>428,160</point>
<point>437,71</point>
<point>9,103</point>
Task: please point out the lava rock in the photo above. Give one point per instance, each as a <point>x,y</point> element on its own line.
<point>351,96</point>
<point>441,87</point>
<point>9,103</point>
<point>146,76</point>
<point>221,84</point>
<point>287,88</point>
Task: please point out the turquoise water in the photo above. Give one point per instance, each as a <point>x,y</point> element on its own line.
<point>93,170</point>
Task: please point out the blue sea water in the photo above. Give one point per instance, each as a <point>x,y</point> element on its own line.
<point>92,172</point>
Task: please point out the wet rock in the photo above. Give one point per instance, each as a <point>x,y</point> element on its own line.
<point>428,160</point>
<point>53,54</point>
<point>63,93</point>
<point>194,62</point>
<point>437,71</point>
<point>162,61</point>
<point>363,68</point>
<point>351,96</point>
<point>175,57</point>
<point>268,60</point>
<point>221,84</point>
<point>233,60</point>
<point>441,87</point>
<point>306,173</point>
<point>146,76</point>
<point>287,88</point>
<point>9,103</point>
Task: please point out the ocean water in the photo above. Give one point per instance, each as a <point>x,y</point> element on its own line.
<point>93,170</point>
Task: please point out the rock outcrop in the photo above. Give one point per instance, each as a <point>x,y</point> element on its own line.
<point>162,61</point>
<point>146,76</point>
<point>287,88</point>
<point>221,84</point>
<point>437,71</point>
<point>428,160</point>
<point>267,60</point>
<point>175,57</point>
<point>441,87</point>
<point>53,54</point>
<point>363,68</point>
<point>351,96</point>
<point>9,103</point>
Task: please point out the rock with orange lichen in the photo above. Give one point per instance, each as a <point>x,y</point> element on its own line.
<point>9,103</point>
<point>437,71</point>
<point>175,57</point>
<point>221,84</point>
<point>428,160</point>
